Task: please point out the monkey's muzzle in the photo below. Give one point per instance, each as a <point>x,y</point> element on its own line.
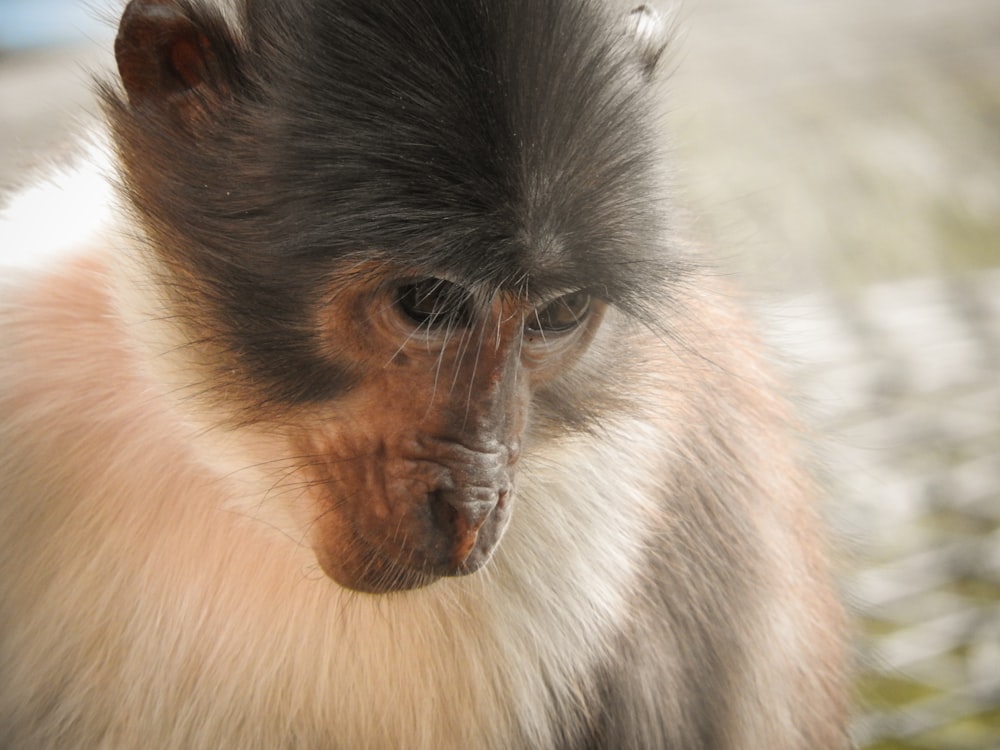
<point>426,509</point>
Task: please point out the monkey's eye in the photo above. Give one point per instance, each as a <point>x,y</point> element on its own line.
<point>561,315</point>
<point>435,303</point>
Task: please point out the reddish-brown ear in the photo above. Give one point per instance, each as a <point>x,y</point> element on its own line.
<point>169,55</point>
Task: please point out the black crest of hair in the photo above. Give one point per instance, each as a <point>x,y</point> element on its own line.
<point>504,144</point>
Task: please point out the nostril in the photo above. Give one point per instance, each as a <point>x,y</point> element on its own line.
<point>470,506</point>
<point>443,512</point>
<point>460,515</point>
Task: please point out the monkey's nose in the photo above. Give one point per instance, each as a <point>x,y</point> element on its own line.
<point>460,514</point>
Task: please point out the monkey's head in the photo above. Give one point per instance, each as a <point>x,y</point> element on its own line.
<point>401,239</point>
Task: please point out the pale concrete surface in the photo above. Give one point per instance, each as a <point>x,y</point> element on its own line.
<point>45,95</point>
<point>837,142</point>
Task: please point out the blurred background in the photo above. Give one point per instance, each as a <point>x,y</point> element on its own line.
<point>842,158</point>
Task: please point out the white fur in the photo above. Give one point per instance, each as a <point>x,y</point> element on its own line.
<point>68,207</point>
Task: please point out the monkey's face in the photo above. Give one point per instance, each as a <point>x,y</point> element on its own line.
<point>413,473</point>
<point>380,231</point>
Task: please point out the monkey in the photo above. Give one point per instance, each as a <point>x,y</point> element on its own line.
<point>385,407</point>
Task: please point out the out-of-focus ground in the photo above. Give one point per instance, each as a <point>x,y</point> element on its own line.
<point>846,154</point>
<point>837,142</point>
<point>843,158</point>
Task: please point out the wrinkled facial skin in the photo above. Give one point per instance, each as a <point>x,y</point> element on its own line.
<point>413,476</point>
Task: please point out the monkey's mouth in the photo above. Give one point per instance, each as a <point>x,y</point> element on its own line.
<point>437,545</point>
<point>415,510</point>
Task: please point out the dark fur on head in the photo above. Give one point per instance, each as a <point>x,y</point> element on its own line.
<point>502,143</point>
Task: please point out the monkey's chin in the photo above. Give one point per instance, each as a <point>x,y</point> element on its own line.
<point>374,573</point>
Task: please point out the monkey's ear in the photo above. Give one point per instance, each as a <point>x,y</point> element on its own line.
<point>171,54</point>
<point>651,34</point>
